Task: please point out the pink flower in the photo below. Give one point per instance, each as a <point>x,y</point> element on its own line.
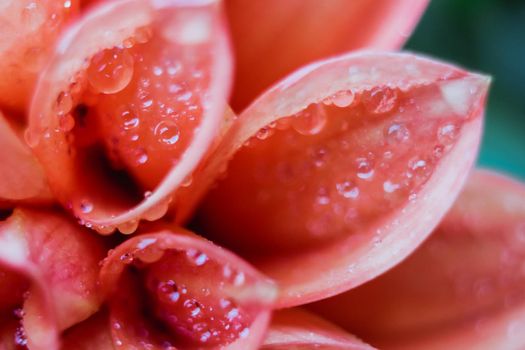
<point>320,169</point>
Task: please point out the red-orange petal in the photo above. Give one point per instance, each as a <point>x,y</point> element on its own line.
<point>60,261</point>
<point>272,38</point>
<point>295,329</point>
<point>347,166</point>
<point>83,139</point>
<point>22,179</point>
<point>462,289</point>
<point>202,295</point>
<point>29,29</point>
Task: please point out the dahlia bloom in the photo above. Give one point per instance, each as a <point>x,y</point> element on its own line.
<point>193,174</point>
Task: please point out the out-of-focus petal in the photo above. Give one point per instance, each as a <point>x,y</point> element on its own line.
<point>92,334</point>
<point>59,260</point>
<point>137,88</point>
<point>203,296</point>
<point>29,29</point>
<point>272,38</point>
<point>343,169</point>
<point>295,329</point>
<point>22,179</point>
<point>462,289</point>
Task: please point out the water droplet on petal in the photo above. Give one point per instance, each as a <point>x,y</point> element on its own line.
<point>66,123</point>
<point>110,70</point>
<point>389,186</point>
<point>380,100</point>
<point>396,133</point>
<point>86,207</point>
<point>64,104</point>
<point>347,189</point>
<point>448,133</point>
<point>129,119</point>
<point>167,132</point>
<point>310,121</point>
<point>365,168</point>
<point>340,99</point>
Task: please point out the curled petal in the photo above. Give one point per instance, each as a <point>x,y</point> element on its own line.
<point>300,330</point>
<point>462,289</point>
<point>128,106</point>
<point>29,29</point>
<point>201,295</point>
<point>342,169</point>
<point>21,177</point>
<point>56,262</point>
<point>92,334</point>
<point>273,38</point>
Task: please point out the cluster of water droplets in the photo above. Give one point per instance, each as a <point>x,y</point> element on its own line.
<point>380,149</point>
<point>195,308</point>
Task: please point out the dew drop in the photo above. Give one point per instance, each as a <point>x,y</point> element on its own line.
<point>110,70</point>
<point>129,119</point>
<point>310,121</point>
<point>438,151</point>
<point>128,227</point>
<point>66,123</point>
<point>157,211</point>
<point>396,133</point>
<point>167,132</point>
<point>389,186</point>
<point>141,156</point>
<point>32,139</point>
<point>447,133</point>
<point>188,180</point>
<point>64,103</point>
<point>347,189</point>
<point>380,100</point>
<point>365,169</point>
<point>263,133</point>
<point>340,99</point>
<point>86,207</point>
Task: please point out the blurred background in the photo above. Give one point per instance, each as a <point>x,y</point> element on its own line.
<point>486,36</point>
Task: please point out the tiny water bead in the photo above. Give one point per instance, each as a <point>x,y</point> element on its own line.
<point>167,132</point>
<point>195,308</point>
<point>110,70</point>
<point>309,121</point>
<point>380,100</point>
<point>396,132</point>
<point>64,104</point>
<point>341,99</point>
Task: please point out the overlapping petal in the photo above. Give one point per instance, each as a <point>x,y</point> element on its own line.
<point>173,288</point>
<point>295,329</point>
<point>28,29</point>
<point>343,168</point>
<point>22,179</point>
<point>462,289</point>
<point>50,266</point>
<point>136,88</point>
<point>273,38</point>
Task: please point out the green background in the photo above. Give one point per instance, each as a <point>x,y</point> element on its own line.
<point>486,36</point>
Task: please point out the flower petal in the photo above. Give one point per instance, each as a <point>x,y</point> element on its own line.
<point>300,330</point>
<point>21,177</point>
<point>134,87</point>
<point>29,29</point>
<point>92,334</point>
<point>272,38</point>
<point>462,289</point>
<point>60,261</point>
<point>347,166</point>
<point>201,294</point>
